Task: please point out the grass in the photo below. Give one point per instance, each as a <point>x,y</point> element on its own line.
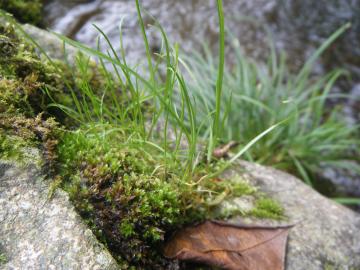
<point>153,90</point>
<point>350,201</point>
<point>219,81</point>
<point>257,96</point>
<point>131,183</point>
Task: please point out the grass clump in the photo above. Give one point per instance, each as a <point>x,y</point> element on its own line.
<point>257,96</point>
<point>25,11</point>
<point>131,180</point>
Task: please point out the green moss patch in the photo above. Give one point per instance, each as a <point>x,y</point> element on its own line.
<point>3,258</point>
<point>28,83</point>
<point>26,11</point>
<point>19,133</point>
<point>267,208</point>
<point>132,197</point>
<point>25,118</point>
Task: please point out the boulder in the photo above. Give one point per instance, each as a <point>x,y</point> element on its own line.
<point>38,232</point>
<point>325,234</point>
<point>298,27</point>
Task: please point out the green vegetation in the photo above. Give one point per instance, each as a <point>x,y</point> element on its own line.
<point>219,82</point>
<point>28,85</point>
<point>133,169</point>
<point>267,208</point>
<point>3,258</point>
<point>126,189</point>
<point>25,78</point>
<point>26,11</point>
<point>18,134</point>
<point>138,163</point>
<point>256,97</point>
<point>348,200</point>
<point>24,114</point>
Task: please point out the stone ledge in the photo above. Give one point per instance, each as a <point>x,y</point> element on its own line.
<point>41,233</point>
<point>326,234</point>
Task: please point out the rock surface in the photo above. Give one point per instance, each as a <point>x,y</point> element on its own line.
<point>41,233</point>
<point>326,234</point>
<point>51,44</point>
<point>296,26</point>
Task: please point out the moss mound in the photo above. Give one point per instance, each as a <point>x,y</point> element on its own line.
<point>25,79</point>
<point>26,11</point>
<point>133,198</point>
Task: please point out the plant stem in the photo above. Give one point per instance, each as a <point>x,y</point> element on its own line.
<point>216,124</point>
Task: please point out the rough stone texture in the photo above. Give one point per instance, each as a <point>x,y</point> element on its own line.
<point>296,26</point>
<point>51,44</point>
<point>41,233</point>
<point>326,235</point>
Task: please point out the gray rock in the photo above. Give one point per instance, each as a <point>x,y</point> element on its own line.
<point>296,26</point>
<point>41,233</point>
<point>51,44</point>
<point>326,234</point>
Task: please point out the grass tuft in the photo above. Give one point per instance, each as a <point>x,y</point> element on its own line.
<point>258,98</point>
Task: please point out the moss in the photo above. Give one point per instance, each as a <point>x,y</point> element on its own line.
<point>28,85</point>
<point>117,190</point>
<point>130,201</point>
<point>19,133</point>
<point>3,258</point>
<point>26,11</point>
<point>328,266</point>
<point>267,208</point>
<point>14,148</point>
<point>26,80</point>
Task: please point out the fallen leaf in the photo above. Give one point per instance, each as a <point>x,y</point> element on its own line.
<point>229,246</point>
<point>223,150</point>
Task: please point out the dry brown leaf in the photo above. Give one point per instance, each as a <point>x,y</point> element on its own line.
<point>223,150</point>
<point>229,246</point>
